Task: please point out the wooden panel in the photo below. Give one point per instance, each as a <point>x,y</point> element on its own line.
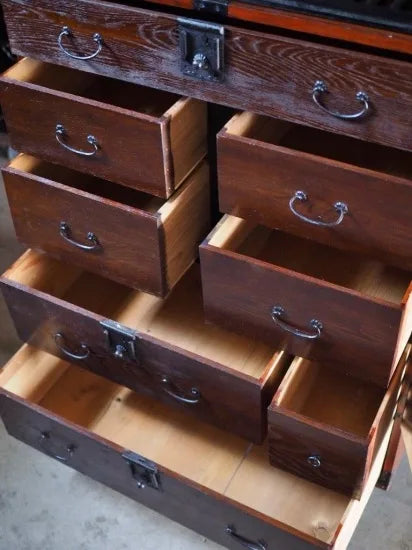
<point>263,73</point>
<point>359,334</point>
<point>292,441</point>
<point>130,242</point>
<point>374,199</point>
<point>234,401</point>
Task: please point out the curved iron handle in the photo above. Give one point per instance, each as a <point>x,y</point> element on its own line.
<point>61,133</point>
<point>340,207</point>
<point>66,233</point>
<point>194,392</point>
<point>66,31</point>
<point>59,339</point>
<point>277,314</point>
<point>320,87</point>
<point>260,545</point>
<point>45,436</point>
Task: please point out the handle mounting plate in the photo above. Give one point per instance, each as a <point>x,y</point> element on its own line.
<point>201,49</point>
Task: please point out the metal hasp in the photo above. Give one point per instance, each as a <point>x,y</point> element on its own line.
<point>143,471</point>
<point>202,49</point>
<point>121,340</point>
<point>216,7</point>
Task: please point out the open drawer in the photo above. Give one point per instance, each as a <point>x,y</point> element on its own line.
<point>139,137</point>
<point>158,347</point>
<point>131,237</point>
<point>208,480</point>
<point>327,427</point>
<point>345,310</point>
<point>330,188</point>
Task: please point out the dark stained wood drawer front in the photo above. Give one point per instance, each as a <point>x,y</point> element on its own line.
<point>333,189</point>
<point>340,308</point>
<point>327,427</point>
<point>141,138</point>
<point>157,347</point>
<point>141,241</point>
<point>262,72</point>
<point>220,486</point>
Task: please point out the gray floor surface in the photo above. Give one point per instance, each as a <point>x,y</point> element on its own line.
<point>46,506</point>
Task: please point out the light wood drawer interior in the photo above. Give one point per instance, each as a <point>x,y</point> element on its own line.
<point>147,138</point>
<point>326,426</point>
<point>310,279</point>
<point>212,459</point>
<point>322,144</point>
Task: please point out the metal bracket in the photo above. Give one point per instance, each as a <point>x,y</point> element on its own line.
<point>121,340</point>
<point>143,471</point>
<point>202,49</point>
<point>217,7</point>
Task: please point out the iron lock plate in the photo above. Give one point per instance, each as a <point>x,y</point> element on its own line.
<point>216,7</point>
<point>121,340</point>
<point>202,49</point>
<point>144,472</point>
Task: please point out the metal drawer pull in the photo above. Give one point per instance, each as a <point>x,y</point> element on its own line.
<point>60,343</point>
<point>340,207</point>
<point>45,436</point>
<point>320,87</point>
<point>260,545</point>
<point>66,31</point>
<point>60,135</point>
<point>314,461</point>
<point>194,393</point>
<point>277,314</point>
<point>66,233</point>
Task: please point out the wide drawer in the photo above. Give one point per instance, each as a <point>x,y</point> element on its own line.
<point>138,240</point>
<point>314,301</point>
<point>157,347</point>
<point>210,481</point>
<point>333,189</point>
<point>326,426</point>
<point>250,70</point>
<point>142,138</point>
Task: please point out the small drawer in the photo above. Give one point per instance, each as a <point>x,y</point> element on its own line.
<point>203,477</point>
<point>141,138</point>
<point>141,241</point>
<point>326,427</point>
<point>315,301</point>
<point>154,346</point>
<point>330,188</point>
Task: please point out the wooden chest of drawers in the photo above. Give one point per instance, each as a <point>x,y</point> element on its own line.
<point>281,362</point>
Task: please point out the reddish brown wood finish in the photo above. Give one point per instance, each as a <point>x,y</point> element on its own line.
<point>205,511</point>
<point>229,399</point>
<point>134,149</point>
<point>263,73</point>
<point>257,180</point>
<point>345,458</point>
<point>318,26</point>
<point>360,333</point>
<point>131,239</point>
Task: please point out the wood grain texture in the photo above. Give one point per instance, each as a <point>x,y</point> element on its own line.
<point>263,72</point>
<point>346,440</point>
<point>359,332</point>
<point>257,180</point>
<point>205,511</point>
<point>143,243</point>
<point>316,25</point>
<point>229,399</point>
<point>135,149</point>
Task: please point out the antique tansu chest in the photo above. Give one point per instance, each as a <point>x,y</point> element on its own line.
<point>216,301</point>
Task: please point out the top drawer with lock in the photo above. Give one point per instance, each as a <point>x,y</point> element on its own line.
<point>141,138</point>
<point>364,96</point>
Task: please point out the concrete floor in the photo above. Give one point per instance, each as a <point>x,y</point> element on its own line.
<point>47,506</point>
